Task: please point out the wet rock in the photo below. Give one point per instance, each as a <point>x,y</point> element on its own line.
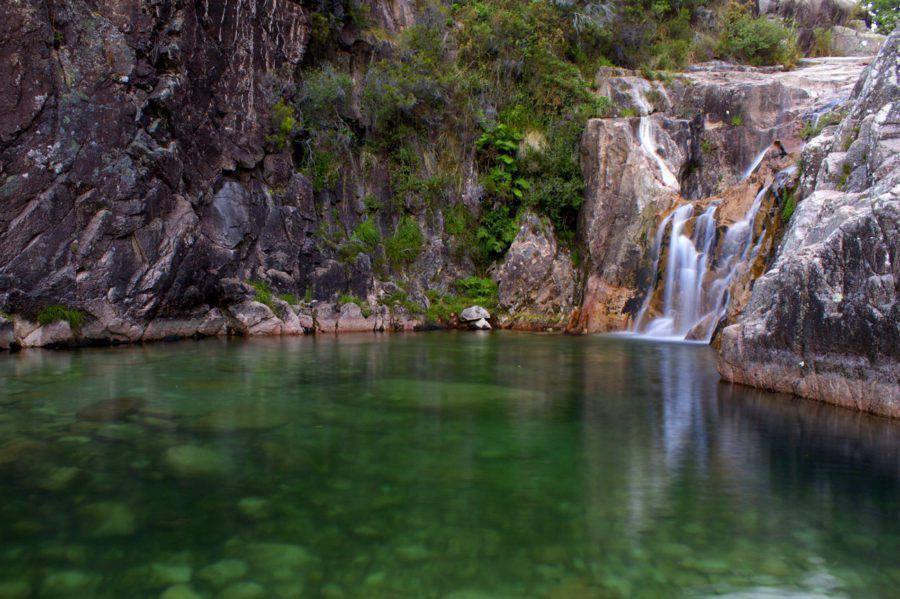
<point>255,508</point>
<point>15,589</point>
<point>7,334</point>
<point>69,583</point>
<point>278,561</point>
<point>57,333</point>
<point>474,313</point>
<point>109,410</point>
<point>194,461</point>
<point>223,572</point>
<point>481,325</point>
<point>108,519</point>
<point>166,575</point>
<point>59,478</point>
<point>180,591</point>
<point>243,590</point>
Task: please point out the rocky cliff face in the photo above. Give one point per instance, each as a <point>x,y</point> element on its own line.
<point>822,321</point>
<point>138,181</point>
<point>713,137</point>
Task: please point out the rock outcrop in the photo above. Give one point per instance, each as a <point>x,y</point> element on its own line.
<point>824,321</point>
<point>723,125</point>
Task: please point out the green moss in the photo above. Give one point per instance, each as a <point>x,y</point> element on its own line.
<point>787,207</point>
<point>468,292</point>
<point>627,112</point>
<point>845,174</point>
<point>737,120</point>
<point>352,299</point>
<point>57,313</point>
<point>403,246</point>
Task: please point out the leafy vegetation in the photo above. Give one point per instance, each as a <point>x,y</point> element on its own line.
<point>57,313</point>
<point>403,247</point>
<point>352,299</point>
<point>885,14</point>
<point>262,293</point>
<point>283,123</point>
<point>756,40</point>
<point>469,291</point>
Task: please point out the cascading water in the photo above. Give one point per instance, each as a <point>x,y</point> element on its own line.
<point>645,136</point>
<point>695,292</point>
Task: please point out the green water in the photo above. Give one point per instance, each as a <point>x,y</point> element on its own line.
<point>433,465</point>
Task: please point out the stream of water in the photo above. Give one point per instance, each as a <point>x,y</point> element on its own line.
<point>432,465</point>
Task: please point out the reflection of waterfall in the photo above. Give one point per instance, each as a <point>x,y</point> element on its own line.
<point>696,285</point>
<point>645,136</point>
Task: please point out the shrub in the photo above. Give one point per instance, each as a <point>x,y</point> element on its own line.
<point>756,40</point>
<point>322,169</point>
<point>324,98</point>
<point>403,247</point>
<point>283,123</point>
<point>57,313</point>
<point>821,44</point>
<point>367,235</point>
<point>262,293</point>
<point>469,291</point>
<point>885,14</point>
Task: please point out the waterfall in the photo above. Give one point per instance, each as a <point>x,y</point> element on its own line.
<point>755,163</point>
<point>696,287</point>
<point>648,144</point>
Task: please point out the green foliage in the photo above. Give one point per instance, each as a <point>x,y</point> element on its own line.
<point>787,207</point>
<point>284,123</point>
<point>821,44</point>
<point>324,98</point>
<point>756,40</point>
<point>323,170</point>
<point>845,174</point>
<point>289,298</point>
<point>57,313</point>
<point>627,113</point>
<point>812,129</point>
<point>468,292</point>
<point>367,235</point>
<point>403,247</point>
<point>352,299</point>
<point>262,293</point>
<point>885,15</point>
<point>737,120</point>
<point>399,298</point>
<point>706,146</point>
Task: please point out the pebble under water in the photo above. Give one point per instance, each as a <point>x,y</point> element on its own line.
<point>432,465</point>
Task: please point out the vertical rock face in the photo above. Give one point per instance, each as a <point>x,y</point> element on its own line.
<point>536,280</point>
<point>714,136</point>
<point>132,147</point>
<point>823,322</point>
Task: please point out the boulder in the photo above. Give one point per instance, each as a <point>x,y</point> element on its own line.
<point>474,313</point>
<point>852,42</point>
<point>481,325</point>
<point>822,320</point>
<point>536,277</point>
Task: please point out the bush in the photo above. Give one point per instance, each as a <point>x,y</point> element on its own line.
<point>885,14</point>
<point>284,124</point>
<point>403,247</point>
<point>757,40</point>
<point>263,294</point>
<point>56,313</point>
<point>469,291</point>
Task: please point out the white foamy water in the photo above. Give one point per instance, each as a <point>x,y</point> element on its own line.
<point>648,144</point>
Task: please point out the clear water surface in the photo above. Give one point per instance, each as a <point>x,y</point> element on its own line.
<point>432,465</point>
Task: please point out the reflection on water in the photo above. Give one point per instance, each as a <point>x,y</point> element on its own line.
<point>432,465</point>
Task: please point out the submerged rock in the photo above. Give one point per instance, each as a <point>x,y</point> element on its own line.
<point>255,508</point>
<point>180,591</point>
<point>243,590</point>
<point>223,572</point>
<point>192,461</point>
<point>278,561</point>
<point>108,519</point>
<point>165,575</point>
<point>69,583</point>
<point>108,410</point>
<point>15,589</point>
